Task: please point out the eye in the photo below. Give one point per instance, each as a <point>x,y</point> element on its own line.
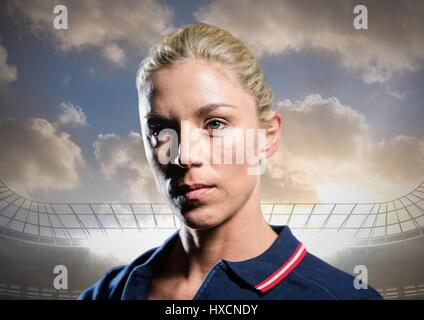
<point>159,136</point>
<point>216,124</point>
<point>155,128</point>
<point>154,131</point>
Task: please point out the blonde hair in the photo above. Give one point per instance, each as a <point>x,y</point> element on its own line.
<point>210,43</point>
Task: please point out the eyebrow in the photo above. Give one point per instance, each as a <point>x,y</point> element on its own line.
<point>200,112</point>
<point>211,107</point>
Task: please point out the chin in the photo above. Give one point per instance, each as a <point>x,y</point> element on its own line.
<point>200,219</point>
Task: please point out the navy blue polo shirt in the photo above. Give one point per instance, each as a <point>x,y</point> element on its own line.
<point>284,271</point>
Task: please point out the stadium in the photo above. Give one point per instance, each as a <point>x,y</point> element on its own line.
<point>89,238</point>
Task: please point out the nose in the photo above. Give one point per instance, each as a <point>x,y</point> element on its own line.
<point>191,148</point>
<point>183,160</point>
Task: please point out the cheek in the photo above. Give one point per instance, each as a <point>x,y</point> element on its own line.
<point>159,157</point>
<point>233,169</point>
<point>237,150</point>
<point>234,184</point>
<point>238,146</point>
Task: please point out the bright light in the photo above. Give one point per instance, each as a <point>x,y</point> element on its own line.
<point>324,245</point>
<point>369,190</point>
<point>336,192</point>
<point>126,246</point>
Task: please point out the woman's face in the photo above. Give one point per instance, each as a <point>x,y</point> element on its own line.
<point>209,113</point>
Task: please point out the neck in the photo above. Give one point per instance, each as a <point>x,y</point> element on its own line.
<point>245,235</point>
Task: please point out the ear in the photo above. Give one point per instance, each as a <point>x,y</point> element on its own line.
<point>273,126</point>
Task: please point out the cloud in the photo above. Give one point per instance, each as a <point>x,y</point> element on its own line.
<point>35,156</point>
<point>400,158</point>
<point>114,53</point>
<point>71,116</point>
<point>324,128</point>
<point>66,80</point>
<point>392,44</point>
<point>106,25</point>
<point>123,159</point>
<point>397,94</point>
<point>328,153</point>
<point>8,73</point>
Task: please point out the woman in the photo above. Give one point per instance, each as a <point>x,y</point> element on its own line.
<point>200,91</point>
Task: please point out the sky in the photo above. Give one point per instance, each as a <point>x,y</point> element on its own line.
<point>351,100</point>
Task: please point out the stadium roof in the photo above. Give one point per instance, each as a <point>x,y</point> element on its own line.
<point>69,224</point>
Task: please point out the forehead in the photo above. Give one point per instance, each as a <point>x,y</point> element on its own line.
<point>184,86</point>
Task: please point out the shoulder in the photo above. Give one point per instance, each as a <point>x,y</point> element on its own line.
<point>331,282</point>
<point>111,285</point>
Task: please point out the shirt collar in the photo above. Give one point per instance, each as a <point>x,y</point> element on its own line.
<point>152,265</point>
<point>262,272</point>
<point>136,286</point>
<point>271,267</point>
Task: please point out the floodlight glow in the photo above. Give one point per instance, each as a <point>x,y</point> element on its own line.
<point>124,246</point>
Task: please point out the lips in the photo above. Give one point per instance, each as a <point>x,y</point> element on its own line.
<point>194,191</point>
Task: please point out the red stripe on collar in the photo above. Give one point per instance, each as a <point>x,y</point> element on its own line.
<point>283,271</point>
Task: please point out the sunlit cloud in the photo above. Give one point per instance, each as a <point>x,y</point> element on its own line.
<point>391,45</point>
<point>123,159</point>
<point>71,116</point>
<point>108,26</point>
<point>36,156</point>
<point>328,154</point>
<point>8,73</point>
<point>114,53</point>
